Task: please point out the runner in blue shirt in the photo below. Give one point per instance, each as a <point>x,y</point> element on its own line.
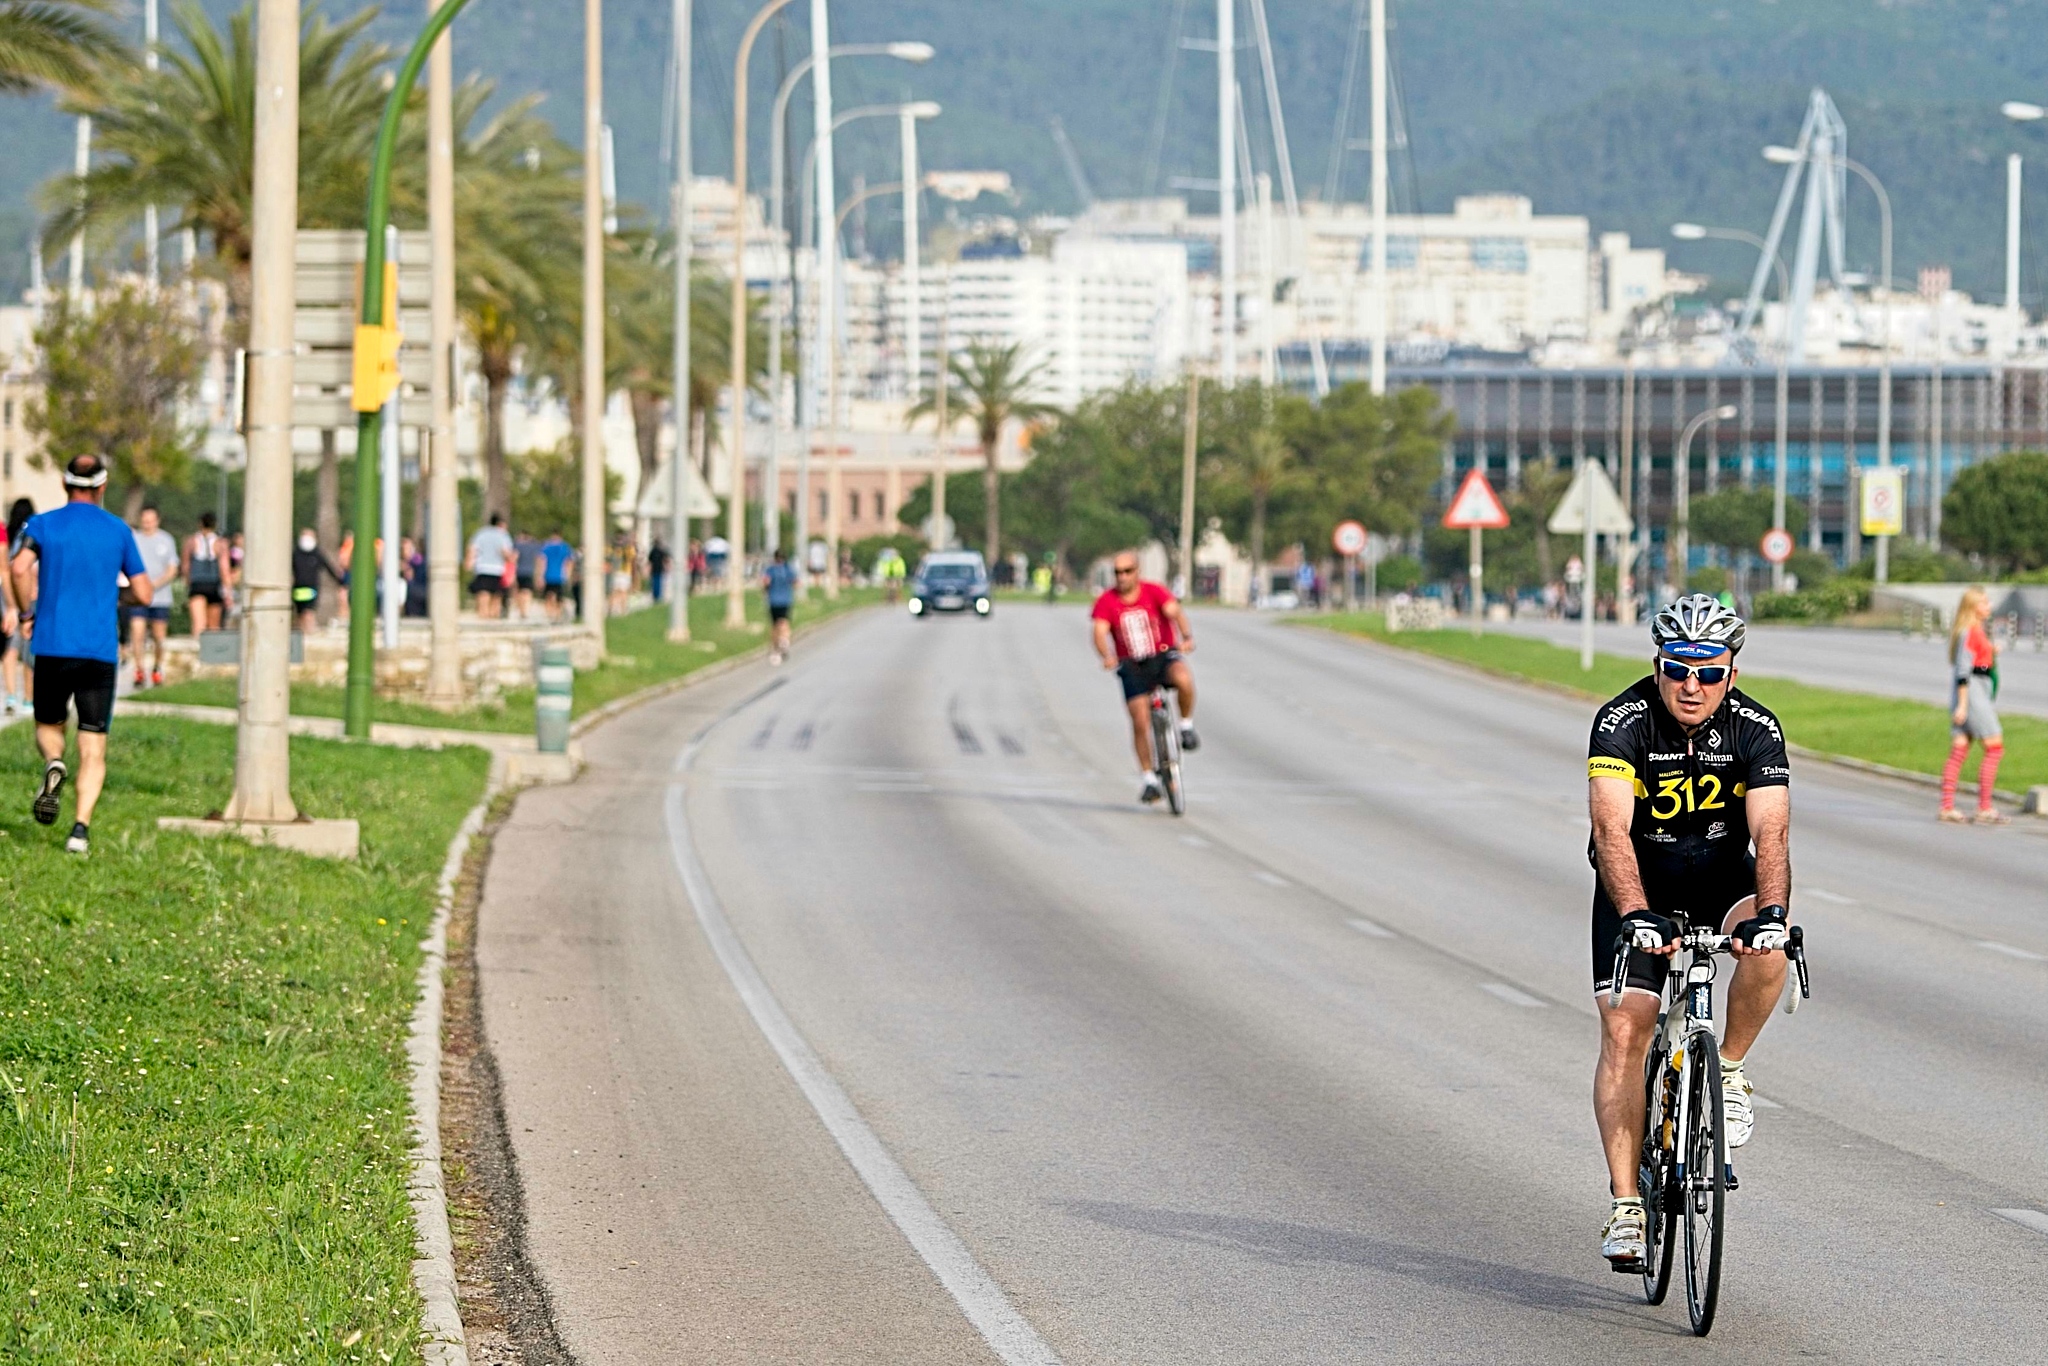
<point>555,557</point>
<point>66,576</point>
<point>780,582</point>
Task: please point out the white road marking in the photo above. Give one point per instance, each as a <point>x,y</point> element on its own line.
<point>1013,1339</point>
<point>1836,897</point>
<point>1194,841</point>
<point>1763,1103</point>
<point>1509,994</point>
<point>2010,952</point>
<point>1270,879</point>
<point>2025,1218</point>
<point>893,787</point>
<point>1367,927</point>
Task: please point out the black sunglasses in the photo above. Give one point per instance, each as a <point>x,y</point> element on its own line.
<point>1708,674</point>
<point>1121,570</point>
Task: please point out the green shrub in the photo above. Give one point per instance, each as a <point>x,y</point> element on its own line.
<point>1827,602</point>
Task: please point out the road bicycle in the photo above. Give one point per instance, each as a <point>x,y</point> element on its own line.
<point>1166,749</point>
<point>1685,1174</point>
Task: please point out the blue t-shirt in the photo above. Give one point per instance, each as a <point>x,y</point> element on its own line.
<point>554,559</point>
<point>781,585</point>
<point>81,548</point>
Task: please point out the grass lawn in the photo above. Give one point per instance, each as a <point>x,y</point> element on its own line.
<point>641,655</point>
<point>205,1154</point>
<point>1883,730</point>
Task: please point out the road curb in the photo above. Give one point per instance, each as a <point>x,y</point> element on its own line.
<point>1863,766</point>
<point>433,1268</point>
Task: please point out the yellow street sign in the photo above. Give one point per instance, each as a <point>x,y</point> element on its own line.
<point>1884,501</point>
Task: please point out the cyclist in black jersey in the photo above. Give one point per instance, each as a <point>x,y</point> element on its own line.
<point>1691,810</point>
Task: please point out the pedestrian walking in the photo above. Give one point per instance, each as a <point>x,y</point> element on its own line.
<point>526,573</point>
<point>490,556</point>
<point>15,685</point>
<point>779,583</point>
<point>150,623</point>
<point>556,556</point>
<point>309,562</point>
<point>208,577</point>
<point>412,568</point>
<point>658,560</point>
<point>1973,663</point>
<point>66,569</point>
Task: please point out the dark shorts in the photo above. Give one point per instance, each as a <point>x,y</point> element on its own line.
<point>62,680</point>
<point>526,583</point>
<point>552,590</point>
<point>487,584</point>
<point>778,613</point>
<point>1703,900</point>
<point>215,595</point>
<point>1141,676</point>
<point>149,613</point>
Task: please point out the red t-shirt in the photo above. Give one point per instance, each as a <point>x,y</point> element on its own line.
<point>1140,628</point>
<point>1982,656</point>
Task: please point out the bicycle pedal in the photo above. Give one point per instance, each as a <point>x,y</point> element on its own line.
<point>1733,1184</point>
<point>1629,1266</point>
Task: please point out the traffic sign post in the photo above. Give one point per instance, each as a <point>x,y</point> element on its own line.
<point>1590,507</point>
<point>1476,509</point>
<point>1349,541</point>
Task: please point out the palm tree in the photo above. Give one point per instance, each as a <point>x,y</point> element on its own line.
<point>58,44</point>
<point>185,136</point>
<point>994,383</point>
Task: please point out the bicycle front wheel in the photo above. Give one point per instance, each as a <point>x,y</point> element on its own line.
<point>1705,1187</point>
<point>1166,755</point>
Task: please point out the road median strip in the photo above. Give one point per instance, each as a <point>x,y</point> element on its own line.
<point>1888,736</point>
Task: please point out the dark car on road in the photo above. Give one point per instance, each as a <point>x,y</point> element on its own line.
<point>951,581</point>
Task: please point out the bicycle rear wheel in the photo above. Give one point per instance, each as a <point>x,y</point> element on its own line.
<point>1705,1188</point>
<point>1653,1179</point>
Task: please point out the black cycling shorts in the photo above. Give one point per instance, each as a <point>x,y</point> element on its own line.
<point>62,680</point>
<point>1141,676</point>
<point>1703,900</point>
<point>778,611</point>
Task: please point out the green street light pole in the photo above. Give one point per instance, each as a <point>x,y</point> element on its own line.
<point>362,622</point>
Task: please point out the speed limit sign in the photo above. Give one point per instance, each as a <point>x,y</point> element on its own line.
<point>1348,538</point>
<point>1776,545</point>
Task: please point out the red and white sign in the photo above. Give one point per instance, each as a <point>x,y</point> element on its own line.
<point>1348,538</point>
<point>1776,545</point>
<point>1475,506</point>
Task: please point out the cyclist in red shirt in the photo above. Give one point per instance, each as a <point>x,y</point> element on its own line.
<point>1141,632</point>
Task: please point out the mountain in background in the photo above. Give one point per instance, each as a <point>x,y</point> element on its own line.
<point>1634,113</point>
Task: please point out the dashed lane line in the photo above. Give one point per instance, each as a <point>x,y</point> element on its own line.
<point>1368,928</point>
<point>2026,955</point>
<point>1502,991</point>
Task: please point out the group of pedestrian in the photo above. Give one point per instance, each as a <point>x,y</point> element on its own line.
<point>506,573</point>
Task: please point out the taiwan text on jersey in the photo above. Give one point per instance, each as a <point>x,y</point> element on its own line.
<point>1689,812</point>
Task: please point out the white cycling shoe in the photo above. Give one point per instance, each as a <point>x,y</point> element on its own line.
<point>1625,1241</point>
<point>1738,1115</point>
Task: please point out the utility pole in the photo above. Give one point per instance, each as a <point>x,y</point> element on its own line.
<point>1190,430</point>
<point>81,165</point>
<point>825,259</point>
<point>2012,251</point>
<point>1226,183</point>
<point>444,531</point>
<point>679,514</point>
<point>939,538</point>
<point>150,62</point>
<point>262,740</point>
<point>1379,198</point>
<point>913,277</point>
<point>592,578</point>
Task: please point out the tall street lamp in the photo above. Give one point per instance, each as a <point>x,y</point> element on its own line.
<point>833,491</point>
<point>2019,111</point>
<point>593,576</point>
<point>1681,522</point>
<point>736,505</point>
<point>1694,232</point>
<point>903,52</point>
<point>682,25</point>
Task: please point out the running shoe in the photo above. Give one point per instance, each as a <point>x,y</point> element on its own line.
<point>1625,1241</point>
<point>1189,741</point>
<point>1737,1114</point>
<point>1950,816</point>
<point>138,678</point>
<point>1991,815</point>
<point>156,678</point>
<point>45,806</point>
<point>80,841</point>
<point>1151,791</point>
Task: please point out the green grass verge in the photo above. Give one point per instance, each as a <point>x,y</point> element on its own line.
<point>203,1157</point>
<point>1881,730</point>
<point>641,656</point>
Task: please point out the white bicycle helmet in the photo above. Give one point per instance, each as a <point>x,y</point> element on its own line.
<point>1697,627</point>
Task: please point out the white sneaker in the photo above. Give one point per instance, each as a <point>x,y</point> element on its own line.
<point>1738,1116</point>
<point>1151,791</point>
<point>1625,1241</point>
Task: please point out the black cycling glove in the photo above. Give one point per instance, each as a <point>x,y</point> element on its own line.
<point>1664,927</point>
<point>1769,919</point>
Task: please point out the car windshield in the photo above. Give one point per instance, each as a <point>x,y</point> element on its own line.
<point>950,574</point>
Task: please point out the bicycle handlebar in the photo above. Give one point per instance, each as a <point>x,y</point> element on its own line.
<point>1791,941</point>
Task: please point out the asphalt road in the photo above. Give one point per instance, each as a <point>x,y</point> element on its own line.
<point>1302,1077</point>
<point>1887,662</point>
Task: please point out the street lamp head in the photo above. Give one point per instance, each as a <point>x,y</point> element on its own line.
<point>1784,156</point>
<point>1727,412</point>
<point>912,52</point>
<point>922,109</point>
<point>1688,232</point>
<point>2021,110</point>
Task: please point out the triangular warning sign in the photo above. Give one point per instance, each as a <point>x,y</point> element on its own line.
<point>1475,506</point>
<point>1591,484</point>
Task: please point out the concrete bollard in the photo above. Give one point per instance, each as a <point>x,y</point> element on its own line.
<point>554,692</point>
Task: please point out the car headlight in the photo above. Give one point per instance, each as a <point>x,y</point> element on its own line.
<point>916,607</point>
<point>981,606</point>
